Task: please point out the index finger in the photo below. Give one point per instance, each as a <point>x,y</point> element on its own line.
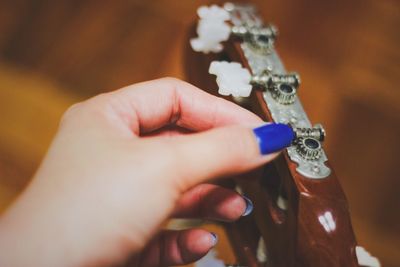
<point>154,104</point>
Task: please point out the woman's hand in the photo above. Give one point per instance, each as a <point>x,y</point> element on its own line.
<point>124,162</point>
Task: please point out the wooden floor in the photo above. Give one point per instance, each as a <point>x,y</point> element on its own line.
<point>54,53</point>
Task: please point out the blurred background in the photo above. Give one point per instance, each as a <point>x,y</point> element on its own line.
<point>55,53</point>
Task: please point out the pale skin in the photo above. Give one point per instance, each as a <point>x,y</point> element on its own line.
<point>122,164</point>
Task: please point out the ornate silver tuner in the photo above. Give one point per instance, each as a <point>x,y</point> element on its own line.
<point>283,87</point>
<point>308,141</point>
<point>233,79</point>
<point>261,39</point>
<point>317,132</point>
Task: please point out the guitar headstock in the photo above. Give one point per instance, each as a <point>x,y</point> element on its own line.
<point>301,216</point>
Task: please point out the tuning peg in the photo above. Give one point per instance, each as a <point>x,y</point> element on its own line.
<point>261,39</point>
<point>364,258</point>
<point>317,132</point>
<point>212,29</point>
<point>233,79</point>
<point>308,141</point>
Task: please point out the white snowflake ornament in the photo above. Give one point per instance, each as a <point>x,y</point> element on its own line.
<point>232,78</point>
<point>211,29</point>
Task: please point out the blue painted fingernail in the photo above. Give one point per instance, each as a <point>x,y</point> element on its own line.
<point>273,137</point>
<point>214,238</point>
<point>249,206</point>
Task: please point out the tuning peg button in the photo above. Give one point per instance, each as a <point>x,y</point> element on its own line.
<point>364,258</point>
<point>232,78</point>
<point>211,29</point>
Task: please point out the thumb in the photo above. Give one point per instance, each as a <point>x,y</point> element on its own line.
<point>226,151</point>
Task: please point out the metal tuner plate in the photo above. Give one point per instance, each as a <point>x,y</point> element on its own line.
<point>307,153</point>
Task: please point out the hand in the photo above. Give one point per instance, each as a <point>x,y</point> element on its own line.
<point>124,162</point>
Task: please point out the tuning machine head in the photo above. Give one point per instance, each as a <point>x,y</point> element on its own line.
<point>212,30</point>
<point>233,79</point>
<point>308,141</point>
<point>283,87</point>
<point>261,39</point>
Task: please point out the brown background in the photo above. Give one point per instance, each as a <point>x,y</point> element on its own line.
<point>54,53</point>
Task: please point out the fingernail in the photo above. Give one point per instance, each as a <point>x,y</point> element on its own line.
<point>249,206</point>
<point>214,238</point>
<point>273,137</point>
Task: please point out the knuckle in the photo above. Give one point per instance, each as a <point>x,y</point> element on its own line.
<point>71,113</point>
<point>98,102</point>
<point>173,83</point>
<point>171,80</point>
<point>93,106</point>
